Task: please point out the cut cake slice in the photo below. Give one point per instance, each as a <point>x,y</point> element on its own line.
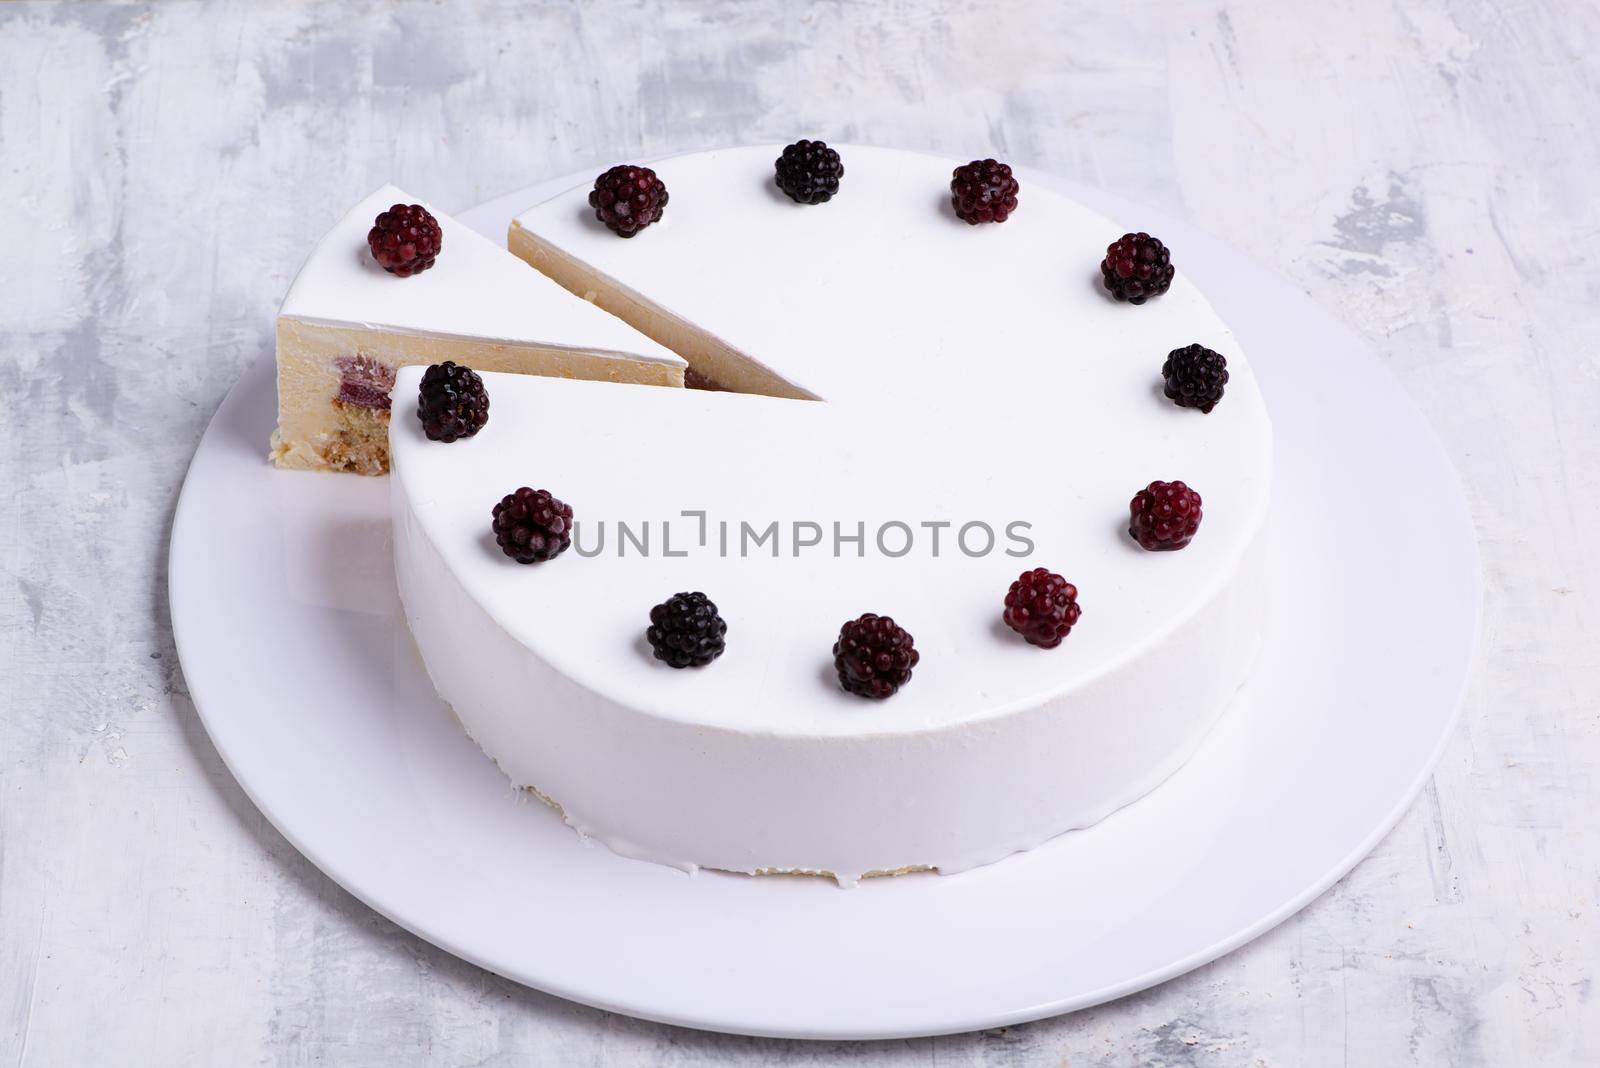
<point>347,325</point>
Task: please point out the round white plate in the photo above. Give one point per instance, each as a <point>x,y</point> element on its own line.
<point>292,641</point>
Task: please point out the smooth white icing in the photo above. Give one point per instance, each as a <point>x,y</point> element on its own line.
<point>475,289</point>
<point>970,374</point>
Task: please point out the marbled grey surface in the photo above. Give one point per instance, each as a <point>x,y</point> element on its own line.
<point>1426,169</point>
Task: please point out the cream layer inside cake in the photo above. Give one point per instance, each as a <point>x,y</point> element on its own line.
<point>347,325</point>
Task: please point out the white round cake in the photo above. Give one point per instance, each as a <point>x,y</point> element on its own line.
<point>946,406</point>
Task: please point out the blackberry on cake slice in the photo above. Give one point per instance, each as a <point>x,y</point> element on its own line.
<point>1042,607</point>
<point>531,526</point>
<point>983,191</point>
<point>874,656</point>
<point>1164,516</point>
<point>686,631</point>
<point>451,402</point>
<point>628,198</point>
<point>808,172</point>
<point>1136,268</point>
<point>405,240</point>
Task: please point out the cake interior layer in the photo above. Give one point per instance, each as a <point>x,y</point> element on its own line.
<point>710,358</point>
<point>334,383</point>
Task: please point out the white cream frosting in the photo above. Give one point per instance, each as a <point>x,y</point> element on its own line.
<point>476,289</point>
<point>970,374</point>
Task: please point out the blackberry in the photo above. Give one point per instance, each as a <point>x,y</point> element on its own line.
<point>1195,376</point>
<point>628,198</point>
<point>809,172</point>
<point>874,656</point>
<point>1042,607</point>
<point>531,526</point>
<point>451,402</point>
<point>405,240</point>
<point>1164,515</point>
<point>1136,267</point>
<point>983,191</point>
<point>686,631</point>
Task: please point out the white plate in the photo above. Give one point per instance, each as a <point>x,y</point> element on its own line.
<point>291,637</point>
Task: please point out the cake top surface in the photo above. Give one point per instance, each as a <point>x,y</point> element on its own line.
<point>972,375</point>
<point>882,294</point>
<point>476,289</point>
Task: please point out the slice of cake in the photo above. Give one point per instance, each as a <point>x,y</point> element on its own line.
<point>348,323</point>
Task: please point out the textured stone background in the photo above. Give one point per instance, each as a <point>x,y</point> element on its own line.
<point>1426,169</point>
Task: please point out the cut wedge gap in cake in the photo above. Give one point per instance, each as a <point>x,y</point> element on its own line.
<point>347,326</point>
<point>713,363</point>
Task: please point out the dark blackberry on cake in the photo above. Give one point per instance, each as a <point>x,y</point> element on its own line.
<point>983,191</point>
<point>1195,377</point>
<point>874,656</point>
<point>1164,515</point>
<point>451,402</point>
<point>686,631</point>
<point>531,526</point>
<point>405,240</point>
<point>808,172</point>
<point>1042,607</point>
<point>628,198</point>
<point>1136,268</point>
